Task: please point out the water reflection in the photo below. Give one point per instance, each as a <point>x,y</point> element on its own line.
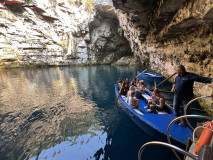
<point>82,147</point>
<point>37,107</point>
<point>65,113</point>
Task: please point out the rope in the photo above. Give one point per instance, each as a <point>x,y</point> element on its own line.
<point>203,126</point>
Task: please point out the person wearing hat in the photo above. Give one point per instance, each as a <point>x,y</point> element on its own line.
<point>183,88</point>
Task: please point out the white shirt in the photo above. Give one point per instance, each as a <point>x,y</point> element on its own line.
<point>130,101</point>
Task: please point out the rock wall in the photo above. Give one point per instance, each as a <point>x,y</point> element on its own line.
<point>166,33</point>
<point>107,43</point>
<point>59,32</point>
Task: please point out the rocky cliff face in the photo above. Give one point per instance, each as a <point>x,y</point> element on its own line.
<point>166,33</point>
<point>60,33</point>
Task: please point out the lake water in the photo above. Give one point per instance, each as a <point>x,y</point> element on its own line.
<point>69,113</point>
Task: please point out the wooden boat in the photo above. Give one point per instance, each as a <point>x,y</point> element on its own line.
<point>155,124</point>
<point>150,76</point>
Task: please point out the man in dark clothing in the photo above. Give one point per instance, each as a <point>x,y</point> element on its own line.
<point>183,88</point>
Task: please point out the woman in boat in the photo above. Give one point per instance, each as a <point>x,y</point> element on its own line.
<point>159,104</point>
<point>140,89</point>
<point>126,86</point>
<point>141,86</point>
<point>150,101</point>
<point>133,83</point>
<point>133,101</point>
<point>137,82</point>
<point>131,89</point>
<point>127,82</point>
<point>123,90</point>
<point>119,83</point>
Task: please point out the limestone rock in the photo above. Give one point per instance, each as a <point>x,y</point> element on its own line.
<point>59,33</point>
<point>127,61</point>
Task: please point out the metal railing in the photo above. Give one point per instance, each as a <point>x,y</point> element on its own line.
<point>178,118</point>
<point>168,146</point>
<point>188,106</point>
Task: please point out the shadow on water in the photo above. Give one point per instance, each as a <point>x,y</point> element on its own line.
<point>68,113</point>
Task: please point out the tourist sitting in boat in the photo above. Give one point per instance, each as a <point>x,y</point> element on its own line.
<point>133,83</point>
<point>119,83</point>
<point>141,85</point>
<point>158,104</point>
<point>123,91</point>
<point>126,86</point>
<point>133,101</point>
<point>149,101</point>
<point>140,89</point>
<point>137,82</point>
<point>131,89</point>
<point>127,82</point>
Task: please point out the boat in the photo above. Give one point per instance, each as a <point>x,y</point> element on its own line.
<point>155,125</point>
<point>147,75</point>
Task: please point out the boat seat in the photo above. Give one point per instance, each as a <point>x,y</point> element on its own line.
<point>146,96</point>
<point>125,98</point>
<point>139,112</point>
<point>149,74</point>
<point>159,112</point>
<point>162,112</point>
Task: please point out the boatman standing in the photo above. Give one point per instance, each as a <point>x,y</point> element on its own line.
<point>183,88</point>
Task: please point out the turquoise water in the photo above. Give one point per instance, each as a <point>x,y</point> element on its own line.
<point>69,113</point>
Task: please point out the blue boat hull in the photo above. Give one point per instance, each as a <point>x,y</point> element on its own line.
<point>146,120</point>
<point>157,77</point>
<point>146,128</point>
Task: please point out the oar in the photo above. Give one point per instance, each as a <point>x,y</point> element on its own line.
<point>166,79</point>
<point>141,73</point>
